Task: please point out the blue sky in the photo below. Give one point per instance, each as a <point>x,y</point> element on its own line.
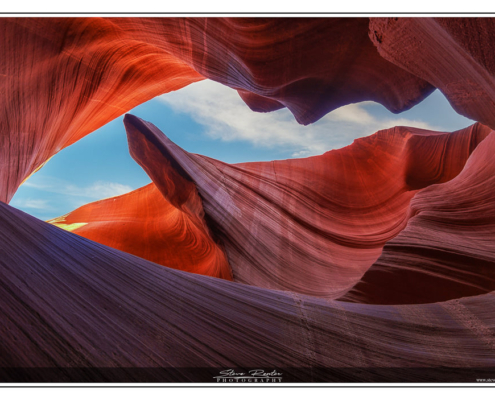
<point>211,119</point>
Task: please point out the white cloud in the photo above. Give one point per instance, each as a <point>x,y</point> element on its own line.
<point>225,117</point>
<point>101,189</point>
<point>98,190</point>
<point>35,204</point>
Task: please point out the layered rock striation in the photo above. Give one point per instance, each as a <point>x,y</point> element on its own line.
<point>62,78</point>
<point>145,224</point>
<point>312,225</point>
<point>373,262</point>
<point>76,310</point>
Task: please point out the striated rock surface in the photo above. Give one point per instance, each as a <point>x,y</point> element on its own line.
<point>73,306</point>
<point>446,250</point>
<point>311,66</point>
<point>312,225</point>
<point>402,220</point>
<point>145,224</point>
<point>453,54</point>
<point>62,78</point>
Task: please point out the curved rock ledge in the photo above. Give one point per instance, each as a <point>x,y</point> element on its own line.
<point>68,302</point>
<point>145,224</point>
<point>312,225</point>
<point>453,54</point>
<point>62,78</point>
<point>402,219</point>
<point>446,250</point>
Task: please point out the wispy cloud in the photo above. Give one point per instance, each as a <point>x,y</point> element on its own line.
<point>47,197</point>
<point>35,204</point>
<point>225,117</point>
<point>98,190</point>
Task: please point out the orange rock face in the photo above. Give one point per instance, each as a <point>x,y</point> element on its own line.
<point>110,65</point>
<point>63,78</point>
<point>143,223</point>
<point>318,223</point>
<point>430,260</point>
<point>371,263</point>
<point>312,225</point>
<point>163,222</point>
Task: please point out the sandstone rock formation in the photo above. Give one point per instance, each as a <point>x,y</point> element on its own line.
<point>369,263</point>
<point>453,54</point>
<point>62,78</point>
<point>446,250</point>
<point>143,223</point>
<point>313,225</point>
<point>80,309</point>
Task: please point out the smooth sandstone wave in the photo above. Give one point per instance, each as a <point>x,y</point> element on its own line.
<point>311,225</point>
<point>62,78</point>
<point>446,250</point>
<point>412,210</point>
<point>68,303</point>
<point>145,224</point>
<point>311,66</point>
